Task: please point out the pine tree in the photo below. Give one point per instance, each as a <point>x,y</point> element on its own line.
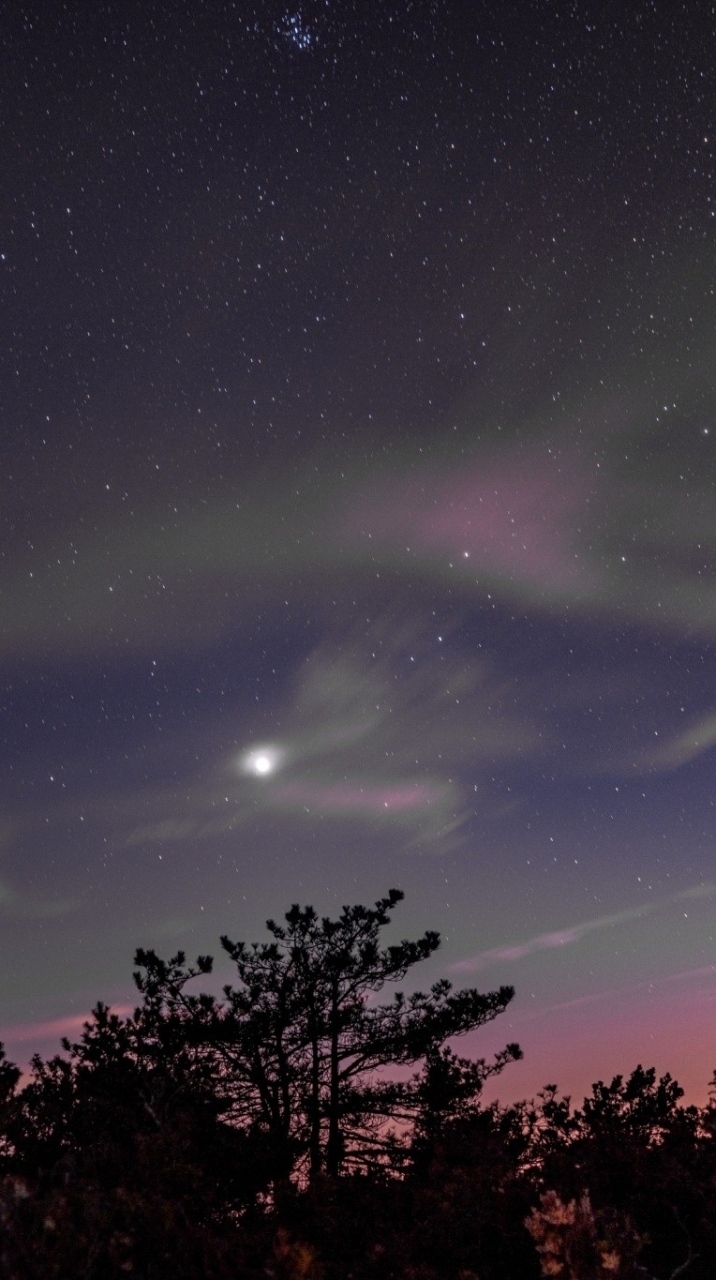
<point>298,1039</point>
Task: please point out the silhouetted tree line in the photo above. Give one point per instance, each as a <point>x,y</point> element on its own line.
<point>262,1134</point>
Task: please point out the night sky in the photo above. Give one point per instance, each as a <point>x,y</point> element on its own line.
<point>358,464</point>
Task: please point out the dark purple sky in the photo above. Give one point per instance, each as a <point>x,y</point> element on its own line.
<point>358,503</point>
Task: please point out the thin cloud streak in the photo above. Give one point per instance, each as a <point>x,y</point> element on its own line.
<point>559,938</point>
<point>378,801</point>
<point>548,941</point>
<point>681,749</point>
<point>614,993</point>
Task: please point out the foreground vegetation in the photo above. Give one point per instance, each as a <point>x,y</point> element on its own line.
<point>261,1135</point>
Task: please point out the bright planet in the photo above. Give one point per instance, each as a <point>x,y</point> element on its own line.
<point>261,762</point>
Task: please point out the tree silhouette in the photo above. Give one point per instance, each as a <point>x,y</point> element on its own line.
<point>265,1132</point>
<point>297,1041</point>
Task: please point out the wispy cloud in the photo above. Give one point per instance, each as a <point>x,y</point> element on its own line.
<point>166,829</point>
<point>549,941</point>
<point>25,907</point>
<point>680,749</point>
<point>511,517</point>
<point>559,938</point>
<point>394,800</point>
<point>704,890</point>
<point>387,724</point>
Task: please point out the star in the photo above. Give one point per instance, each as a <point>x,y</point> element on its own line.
<point>261,761</point>
<point>293,29</point>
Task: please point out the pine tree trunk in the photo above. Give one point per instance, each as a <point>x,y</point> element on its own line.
<point>315,1136</point>
<point>333,1153</point>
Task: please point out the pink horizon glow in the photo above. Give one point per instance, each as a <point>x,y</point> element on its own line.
<point>668,1023</point>
<point>572,1044</point>
<point>20,1032</point>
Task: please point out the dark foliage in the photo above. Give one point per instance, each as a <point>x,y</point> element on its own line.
<point>262,1135</point>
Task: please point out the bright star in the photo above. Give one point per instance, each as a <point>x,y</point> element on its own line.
<point>261,761</point>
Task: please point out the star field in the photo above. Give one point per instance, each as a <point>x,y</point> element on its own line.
<point>358,477</point>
